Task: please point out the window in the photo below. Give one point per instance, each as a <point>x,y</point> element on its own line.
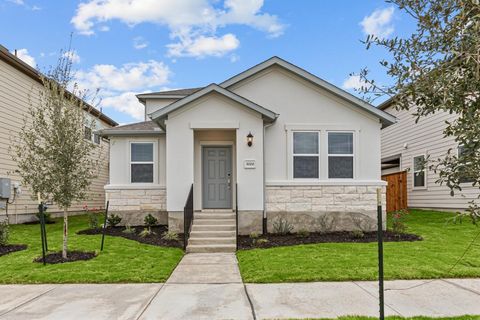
<point>141,162</point>
<point>306,155</point>
<point>96,138</point>
<point>465,178</point>
<point>340,155</point>
<point>87,133</point>
<point>419,171</point>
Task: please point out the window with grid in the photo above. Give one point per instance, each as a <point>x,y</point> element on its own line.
<point>340,155</point>
<point>306,157</point>
<point>465,178</point>
<point>419,171</point>
<point>141,162</point>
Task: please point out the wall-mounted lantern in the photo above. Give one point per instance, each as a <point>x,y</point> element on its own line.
<point>249,139</point>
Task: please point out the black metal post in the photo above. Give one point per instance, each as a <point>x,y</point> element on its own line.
<point>42,231</point>
<point>104,226</point>
<point>380,254</point>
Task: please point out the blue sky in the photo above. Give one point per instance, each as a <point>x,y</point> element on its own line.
<point>132,46</point>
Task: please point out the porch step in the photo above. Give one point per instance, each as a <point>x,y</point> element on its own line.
<point>214,215</point>
<point>211,241</point>
<point>211,248</point>
<point>214,222</point>
<point>212,234</point>
<point>217,211</point>
<point>215,227</point>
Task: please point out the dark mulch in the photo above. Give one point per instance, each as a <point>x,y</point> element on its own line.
<point>9,248</point>
<point>153,239</point>
<point>56,257</point>
<point>38,222</point>
<point>275,240</point>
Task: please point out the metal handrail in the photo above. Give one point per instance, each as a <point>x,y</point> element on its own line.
<point>187,217</point>
<point>236,213</point>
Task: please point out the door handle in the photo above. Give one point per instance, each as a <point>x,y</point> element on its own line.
<point>229,180</point>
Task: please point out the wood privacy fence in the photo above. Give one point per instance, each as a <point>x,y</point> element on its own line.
<point>396,190</point>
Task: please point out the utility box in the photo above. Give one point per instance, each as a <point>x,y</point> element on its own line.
<point>5,188</point>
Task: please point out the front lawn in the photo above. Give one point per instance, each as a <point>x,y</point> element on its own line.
<point>122,260</point>
<point>431,258</point>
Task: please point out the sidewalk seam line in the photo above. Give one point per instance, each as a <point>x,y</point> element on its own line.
<point>150,301</point>
<point>27,302</point>
<point>252,308</point>
<point>376,298</point>
<point>460,286</point>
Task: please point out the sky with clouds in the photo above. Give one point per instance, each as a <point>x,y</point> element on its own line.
<point>126,47</point>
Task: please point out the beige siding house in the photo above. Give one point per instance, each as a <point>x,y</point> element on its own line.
<point>18,84</point>
<point>406,143</point>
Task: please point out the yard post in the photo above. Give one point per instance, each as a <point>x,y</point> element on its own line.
<point>42,231</point>
<point>380,253</point>
<point>104,225</point>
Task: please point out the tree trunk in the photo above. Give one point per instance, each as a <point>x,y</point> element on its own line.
<point>65,233</point>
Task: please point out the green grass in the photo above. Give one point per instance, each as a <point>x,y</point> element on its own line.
<point>121,261</point>
<point>431,258</point>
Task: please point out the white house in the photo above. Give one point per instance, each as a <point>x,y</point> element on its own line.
<point>273,141</point>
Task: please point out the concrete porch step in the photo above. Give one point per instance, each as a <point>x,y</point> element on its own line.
<point>213,222</point>
<point>211,248</point>
<point>211,241</point>
<point>216,227</point>
<point>217,211</point>
<point>212,215</point>
<point>212,234</point>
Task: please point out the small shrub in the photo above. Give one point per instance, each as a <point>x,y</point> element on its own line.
<point>253,235</point>
<point>259,242</point>
<point>397,217</point>
<point>128,229</point>
<point>146,232</point>
<point>303,233</point>
<point>94,220</point>
<point>150,221</point>
<point>46,215</point>
<point>358,234</point>
<point>282,226</point>
<point>113,220</point>
<point>4,233</point>
<point>170,236</point>
<point>327,222</point>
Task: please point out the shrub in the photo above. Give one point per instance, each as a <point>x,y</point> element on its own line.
<point>94,220</point>
<point>170,236</point>
<point>303,233</point>
<point>397,217</point>
<point>253,235</point>
<point>259,242</point>
<point>150,221</point>
<point>327,222</point>
<point>146,232</point>
<point>128,229</point>
<point>4,233</point>
<point>46,215</point>
<point>282,226</point>
<point>113,220</point>
<point>358,234</point>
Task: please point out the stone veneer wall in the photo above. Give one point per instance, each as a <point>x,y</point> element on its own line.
<point>324,208</point>
<point>134,204</point>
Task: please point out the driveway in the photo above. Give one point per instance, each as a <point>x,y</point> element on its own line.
<point>208,286</point>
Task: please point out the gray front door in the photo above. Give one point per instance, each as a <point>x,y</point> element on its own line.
<point>217,177</point>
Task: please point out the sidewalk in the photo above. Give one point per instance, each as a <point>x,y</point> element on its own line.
<point>208,286</point>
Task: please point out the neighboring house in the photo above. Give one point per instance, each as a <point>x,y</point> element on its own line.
<point>273,141</point>
<point>20,85</point>
<point>406,144</point>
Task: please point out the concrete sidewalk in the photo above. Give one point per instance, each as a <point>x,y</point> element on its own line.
<point>218,293</point>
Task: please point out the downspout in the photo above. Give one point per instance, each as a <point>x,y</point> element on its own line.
<point>264,218</point>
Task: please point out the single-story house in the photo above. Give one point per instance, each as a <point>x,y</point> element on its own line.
<point>274,141</point>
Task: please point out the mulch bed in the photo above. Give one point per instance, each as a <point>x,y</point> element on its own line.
<point>9,248</point>
<point>275,240</point>
<point>56,257</point>
<point>153,239</point>
<point>38,222</point>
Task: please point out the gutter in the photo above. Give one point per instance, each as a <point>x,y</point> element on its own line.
<point>264,217</point>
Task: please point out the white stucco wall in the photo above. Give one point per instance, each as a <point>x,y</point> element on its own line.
<point>216,112</point>
<point>154,104</point>
<point>304,106</point>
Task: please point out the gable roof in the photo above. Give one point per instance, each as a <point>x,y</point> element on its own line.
<point>386,118</point>
<point>162,113</point>
<point>167,94</point>
<point>23,67</point>
<point>139,128</point>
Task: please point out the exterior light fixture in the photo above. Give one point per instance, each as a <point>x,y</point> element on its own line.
<point>249,139</point>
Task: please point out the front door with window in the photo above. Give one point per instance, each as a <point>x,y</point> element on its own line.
<point>217,177</point>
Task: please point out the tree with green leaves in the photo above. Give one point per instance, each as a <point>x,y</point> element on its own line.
<point>437,69</point>
<point>54,159</point>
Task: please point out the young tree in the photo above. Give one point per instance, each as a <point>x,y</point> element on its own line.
<point>437,68</point>
<point>54,159</point>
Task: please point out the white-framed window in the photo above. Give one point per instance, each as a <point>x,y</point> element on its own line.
<point>340,155</point>
<point>465,178</point>
<point>419,172</point>
<point>306,154</point>
<point>142,162</point>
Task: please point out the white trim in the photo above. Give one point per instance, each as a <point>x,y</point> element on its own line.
<point>214,125</point>
<point>293,154</point>
<point>134,186</point>
<point>352,155</point>
<point>424,187</point>
<point>154,162</point>
<point>331,182</point>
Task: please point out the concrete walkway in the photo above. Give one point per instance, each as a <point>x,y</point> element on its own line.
<point>208,286</point>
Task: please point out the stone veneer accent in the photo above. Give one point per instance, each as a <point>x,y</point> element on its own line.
<point>324,208</point>
<point>134,204</point>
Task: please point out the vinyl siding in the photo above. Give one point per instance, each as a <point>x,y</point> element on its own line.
<point>17,91</point>
<point>425,137</point>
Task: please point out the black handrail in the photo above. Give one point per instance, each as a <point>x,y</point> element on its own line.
<point>236,213</point>
<point>187,217</point>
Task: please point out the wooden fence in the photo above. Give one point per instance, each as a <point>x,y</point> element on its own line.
<point>396,190</point>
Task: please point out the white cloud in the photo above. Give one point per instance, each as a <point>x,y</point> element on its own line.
<point>26,57</point>
<point>139,43</point>
<point>72,55</point>
<point>25,5</point>
<point>379,23</point>
<point>191,22</point>
<point>354,82</point>
<point>204,46</point>
<point>118,85</point>
<point>104,28</point>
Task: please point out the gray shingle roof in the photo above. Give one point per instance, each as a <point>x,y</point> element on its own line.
<point>178,92</point>
<point>139,128</point>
